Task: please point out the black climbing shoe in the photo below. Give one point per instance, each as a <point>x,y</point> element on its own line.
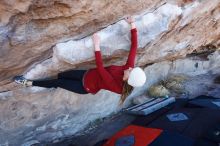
<point>21,80</point>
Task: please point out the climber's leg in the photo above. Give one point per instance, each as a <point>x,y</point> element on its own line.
<point>71,85</point>
<point>72,74</point>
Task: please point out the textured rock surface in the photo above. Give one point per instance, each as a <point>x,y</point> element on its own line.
<point>39,38</point>
<point>29,30</point>
<point>48,115</point>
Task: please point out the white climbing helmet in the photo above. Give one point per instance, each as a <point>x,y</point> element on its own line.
<point>137,77</point>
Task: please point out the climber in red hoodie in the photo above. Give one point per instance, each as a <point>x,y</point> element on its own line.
<point>118,79</point>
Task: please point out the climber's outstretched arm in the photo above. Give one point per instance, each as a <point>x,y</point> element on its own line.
<point>105,75</point>
<point>131,57</point>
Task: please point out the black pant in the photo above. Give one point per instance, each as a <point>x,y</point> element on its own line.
<point>69,80</point>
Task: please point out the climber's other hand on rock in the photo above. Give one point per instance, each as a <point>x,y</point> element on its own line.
<point>129,19</point>
<point>96,41</point>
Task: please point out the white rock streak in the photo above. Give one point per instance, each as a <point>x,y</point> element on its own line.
<point>116,36</point>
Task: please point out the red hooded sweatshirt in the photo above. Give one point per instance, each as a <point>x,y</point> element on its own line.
<point>111,77</point>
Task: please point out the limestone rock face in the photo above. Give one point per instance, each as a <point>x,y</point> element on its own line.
<point>39,38</point>
<point>30,29</point>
